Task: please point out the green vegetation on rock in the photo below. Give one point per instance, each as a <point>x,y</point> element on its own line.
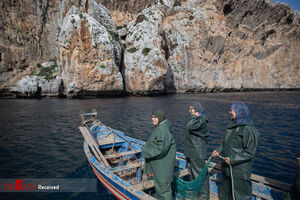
<point>47,73</point>
<point>146,51</point>
<point>132,50</point>
<point>114,35</point>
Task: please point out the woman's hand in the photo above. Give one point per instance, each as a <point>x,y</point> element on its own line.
<point>197,114</point>
<point>227,160</point>
<point>215,153</point>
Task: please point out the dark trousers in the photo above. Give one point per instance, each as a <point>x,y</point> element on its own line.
<point>163,190</point>
<point>242,188</point>
<point>196,166</point>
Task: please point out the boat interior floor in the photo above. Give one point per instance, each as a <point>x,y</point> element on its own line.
<point>128,166</point>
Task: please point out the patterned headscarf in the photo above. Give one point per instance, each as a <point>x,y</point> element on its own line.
<point>198,107</point>
<point>242,113</point>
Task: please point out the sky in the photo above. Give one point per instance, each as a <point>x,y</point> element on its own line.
<point>295,4</point>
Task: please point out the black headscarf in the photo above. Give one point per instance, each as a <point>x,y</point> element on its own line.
<point>160,115</point>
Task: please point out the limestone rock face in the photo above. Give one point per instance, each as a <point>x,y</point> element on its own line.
<point>43,82</point>
<point>27,86</point>
<point>262,41</point>
<point>101,14</point>
<point>145,64</point>
<point>89,52</point>
<point>34,86</point>
<point>126,10</point>
<point>215,46</point>
<point>26,38</point>
<point>79,35</point>
<point>104,47</point>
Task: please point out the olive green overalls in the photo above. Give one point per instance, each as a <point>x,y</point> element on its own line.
<point>294,192</point>
<point>159,152</point>
<point>195,150</point>
<point>239,145</point>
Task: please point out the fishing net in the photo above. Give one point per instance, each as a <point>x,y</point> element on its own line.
<point>189,189</point>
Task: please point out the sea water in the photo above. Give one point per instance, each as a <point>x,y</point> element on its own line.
<point>39,138</point>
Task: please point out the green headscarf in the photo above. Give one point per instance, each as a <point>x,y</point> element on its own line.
<point>160,115</point>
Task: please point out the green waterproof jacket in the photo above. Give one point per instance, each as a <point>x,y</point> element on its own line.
<point>297,181</point>
<point>239,145</point>
<point>160,152</point>
<point>294,192</point>
<point>195,138</point>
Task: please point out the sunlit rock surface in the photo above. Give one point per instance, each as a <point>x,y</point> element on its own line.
<point>147,47</point>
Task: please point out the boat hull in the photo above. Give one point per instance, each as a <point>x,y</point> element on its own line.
<point>113,183</point>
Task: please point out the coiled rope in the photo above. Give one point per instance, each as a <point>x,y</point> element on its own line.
<point>232,183</point>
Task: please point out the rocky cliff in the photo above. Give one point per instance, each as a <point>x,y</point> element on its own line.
<point>87,47</point>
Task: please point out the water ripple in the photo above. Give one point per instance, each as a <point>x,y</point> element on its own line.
<point>39,138</point>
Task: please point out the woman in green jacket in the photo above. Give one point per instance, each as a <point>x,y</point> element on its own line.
<point>238,148</point>
<point>195,144</point>
<point>159,153</point>
<point>294,192</point>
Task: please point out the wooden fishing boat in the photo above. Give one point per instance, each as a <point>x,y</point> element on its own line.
<point>116,161</point>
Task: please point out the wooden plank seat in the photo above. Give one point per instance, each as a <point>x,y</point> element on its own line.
<point>116,155</point>
<point>150,183</point>
<point>94,145</point>
<point>126,167</point>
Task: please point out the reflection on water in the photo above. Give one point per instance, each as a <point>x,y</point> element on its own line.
<point>39,138</point>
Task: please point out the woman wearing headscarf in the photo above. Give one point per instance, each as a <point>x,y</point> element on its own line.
<point>238,148</point>
<point>195,142</point>
<point>159,153</point>
<point>294,192</point>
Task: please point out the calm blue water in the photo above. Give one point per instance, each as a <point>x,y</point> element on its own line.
<point>39,138</point>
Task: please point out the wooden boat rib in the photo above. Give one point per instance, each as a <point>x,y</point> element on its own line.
<point>116,161</point>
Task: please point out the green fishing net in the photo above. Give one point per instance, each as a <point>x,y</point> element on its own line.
<point>189,189</point>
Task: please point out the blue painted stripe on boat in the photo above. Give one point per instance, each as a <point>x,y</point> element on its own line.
<point>117,186</point>
<point>267,191</point>
<point>127,189</point>
<point>214,187</point>
<point>108,187</point>
<point>119,189</point>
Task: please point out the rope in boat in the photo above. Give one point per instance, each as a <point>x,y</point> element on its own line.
<point>232,183</point>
